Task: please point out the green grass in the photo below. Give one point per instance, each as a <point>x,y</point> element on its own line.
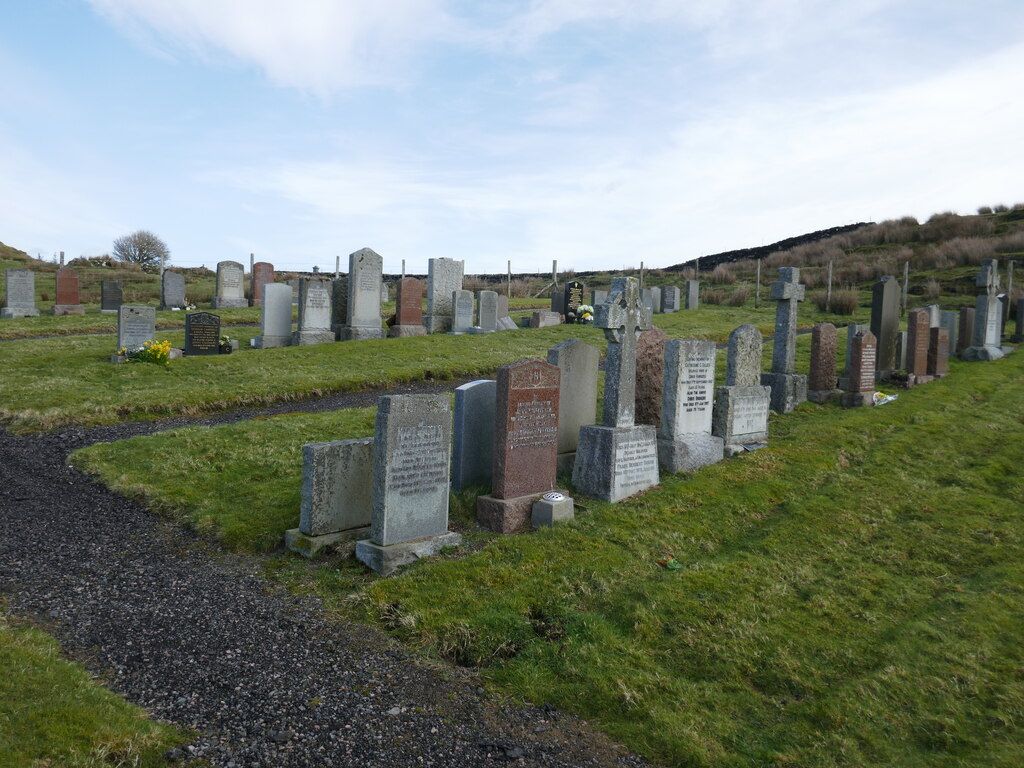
<point>852,595</point>
<point>53,714</point>
<point>94,322</point>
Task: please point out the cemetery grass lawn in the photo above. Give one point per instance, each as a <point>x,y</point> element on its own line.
<point>52,713</point>
<point>852,595</point>
<point>49,383</point>
<point>96,322</point>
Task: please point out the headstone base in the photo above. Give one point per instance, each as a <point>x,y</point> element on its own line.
<point>108,311</point>
<point>269,342</point>
<point>309,338</point>
<point>315,546</point>
<point>822,396</point>
<point>974,354</point>
<point>387,560</point>
<point>15,314</point>
<point>505,515</point>
<point>613,463</point>
<point>478,330</point>
<point>221,303</point>
<point>566,462</point>
<point>406,331</point>
<point>919,379</point>
<point>437,323</point>
<point>857,399</point>
<point>545,319</point>
<point>788,390</point>
<point>546,512</point>
<point>737,448</point>
<point>690,454</point>
<point>68,309</point>
<point>360,333</point>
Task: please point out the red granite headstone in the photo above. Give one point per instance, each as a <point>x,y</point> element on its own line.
<point>918,338</point>
<point>409,302</point>
<point>823,358</point>
<point>862,367</point>
<point>67,286</point>
<point>938,352</point>
<point>262,273</point>
<point>526,432</point>
<point>650,376</point>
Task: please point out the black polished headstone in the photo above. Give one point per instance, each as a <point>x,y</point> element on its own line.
<point>202,333</point>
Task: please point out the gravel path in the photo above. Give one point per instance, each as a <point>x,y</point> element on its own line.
<point>199,639</point>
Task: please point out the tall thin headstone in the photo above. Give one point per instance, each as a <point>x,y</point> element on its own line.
<point>505,322</point>
<point>365,270</point>
<point>692,294</point>
<point>618,458</point>
<point>314,326</point>
<point>685,442</point>
<point>950,322</point>
<point>938,352</point>
<point>885,321</point>
<point>1018,335</point>
<point>577,400</point>
<point>650,376</point>
<point>486,312</point>
<point>965,330</point>
<point>918,338</point>
<point>262,274</point>
<point>525,444</point>
<point>20,294</point>
<point>789,388</point>
<point>230,286</point>
<point>988,314</point>
<point>172,290</point>
<point>741,407</point>
<point>444,277</point>
<point>111,296</point>
<point>408,309</point>
<point>821,383</point>
<point>462,317</point>
<point>411,461</point>
<point>573,297</point>
<point>473,434</point>
<point>69,299</point>
<point>275,316</point>
<point>860,390</point>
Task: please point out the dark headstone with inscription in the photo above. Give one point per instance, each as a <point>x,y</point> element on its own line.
<point>685,442</point>
<point>202,333</point>
<point>462,311</point>
<point>525,444</point>
<point>411,460</point>
<point>572,300</point>
<point>19,294</point>
<point>918,339</point>
<point>861,381</point>
<point>965,335</point>
<point>111,296</point>
<point>69,301</point>
<point>740,415</point>
<point>938,352</point>
<point>262,274</point>
<point>670,296</point>
<point>821,383</point>
<point>408,309</point>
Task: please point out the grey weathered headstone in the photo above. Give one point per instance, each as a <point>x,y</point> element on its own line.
<point>692,294</point>
<point>275,316</point>
<point>934,315</point>
<point>685,442</point>
<point>598,297</point>
<point>20,294</point>
<point>670,298</point>
<point>487,312</point>
<point>821,383</point>
<point>202,334</point>
<point>860,390</point>
<point>1018,335</point>
<point>172,290</point>
<point>473,434</point>
<point>544,319</point>
<point>901,351</point>
<point>951,322</point>
<point>647,298</point>
<point>135,326</point>
<point>385,293</point>
<point>740,415</point>
<point>988,316</point>
<point>337,499</point>
<point>444,277</point>
<point>885,321</point>
<point>314,326</point>
<point>411,461</point>
<point>618,458</point>
<point>656,299</point>
<point>577,399</point>
<point>111,296</point>
<point>462,315</point>
<point>365,268</point>
<point>505,322</point>
<point>965,331</point>
<point>558,302</point>
<point>230,286</point>
<point>789,388</point>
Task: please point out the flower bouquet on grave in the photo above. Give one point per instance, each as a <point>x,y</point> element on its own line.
<point>156,352</point>
<point>584,314</point>
<point>226,345</point>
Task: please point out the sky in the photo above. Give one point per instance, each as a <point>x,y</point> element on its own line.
<point>601,133</point>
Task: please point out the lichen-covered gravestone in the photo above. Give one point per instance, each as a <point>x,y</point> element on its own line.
<point>789,388</point>
<point>987,340</point>
<point>314,326</point>
<point>411,461</point>
<point>365,273</point>
<point>473,434</point>
<point>740,415</point>
<point>19,294</point>
<point>69,300</point>
<point>618,457</point>
<point>577,399</point>
<point>230,286</point>
<point>444,277</point>
<point>821,383</point>
<point>685,442</point>
<point>525,444</point>
<point>950,322</point>
<point>336,496</point>
<point>486,312</point>
<point>860,389</point>
<point>670,295</point>
<point>692,294</point>
<point>275,316</point>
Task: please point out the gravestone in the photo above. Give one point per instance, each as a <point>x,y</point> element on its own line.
<point>473,434</point>
<point>934,315</point>
<point>411,461</point>
<point>135,326</point>
<point>314,326</point>
<point>618,458</point>
<point>647,297</point>
<point>740,415</point>
<point>339,305</point>
<point>885,321</point>
<point>19,294</point>
<point>821,384</point>
<point>650,376</point>
<point>544,319</point>
<point>938,352</point>
<point>230,286</point>
<point>337,479</point>
<point>408,309</point>
<point>69,300</point>
<point>692,294</point>
<point>262,274</point>
<point>487,312</point>
<point>202,333</point>
<point>577,399</point>
<point>275,316</point>
<point>505,323</point>
<point>852,329</point>
<point>462,317</point>
<point>1018,335</point>
<point>294,283</point>
<point>525,444</point>
<point>950,322</point>
<point>362,320</point>
<point>598,297</point>
<point>172,290</point>
<point>670,296</point>
<point>918,338</point>
<point>573,297</point>
<point>444,277</point>
<point>861,388</point>
<point>656,296</point>
<point>385,294</point>
<point>685,442</point>
<point>789,388</point>
<point>965,331</point>
<point>988,316</point>
<point>901,350</point>
<point>111,296</point>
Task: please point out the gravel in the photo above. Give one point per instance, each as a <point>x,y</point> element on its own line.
<point>198,638</point>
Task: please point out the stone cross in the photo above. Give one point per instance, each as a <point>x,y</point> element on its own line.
<point>988,277</point>
<point>623,318</point>
<point>786,291</point>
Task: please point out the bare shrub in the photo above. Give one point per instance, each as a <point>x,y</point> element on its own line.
<point>1018,206</point>
<point>844,301</point>
<point>713,296</point>
<point>932,289</point>
<point>948,225</point>
<point>1012,243</point>
<point>689,273</point>
<point>475,283</point>
<point>814,277</point>
<point>739,296</point>
<point>984,209</point>
<point>903,230</point>
<point>523,287</point>
<point>854,273</point>
<point>723,274</point>
<point>966,250</point>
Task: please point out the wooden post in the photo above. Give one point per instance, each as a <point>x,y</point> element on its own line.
<point>403,269</point>
<point>252,279</point>
<point>508,292</point>
<point>1006,304</point>
<point>641,275</point>
<point>906,285</point>
<point>337,267</point>
<point>62,258</point>
<point>554,272</point>
<point>828,290</point>
<point>757,291</point>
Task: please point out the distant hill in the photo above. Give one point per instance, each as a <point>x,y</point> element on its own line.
<point>8,253</point>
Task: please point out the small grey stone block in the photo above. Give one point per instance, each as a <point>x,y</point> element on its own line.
<point>788,390</point>
<point>406,331</point>
<point>360,333</point>
<point>690,454</point>
<point>613,463</point>
<point>315,546</point>
<point>547,512</point>
<point>387,560</point>
<point>857,399</point>
<point>317,336</point>
<point>223,303</point>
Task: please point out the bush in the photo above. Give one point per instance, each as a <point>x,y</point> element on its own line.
<point>844,301</point>
<point>723,274</point>
<point>966,251</point>
<point>713,296</point>
<point>932,289</point>
<point>985,209</point>
<point>739,296</point>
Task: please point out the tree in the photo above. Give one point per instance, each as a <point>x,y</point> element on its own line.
<point>142,248</point>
